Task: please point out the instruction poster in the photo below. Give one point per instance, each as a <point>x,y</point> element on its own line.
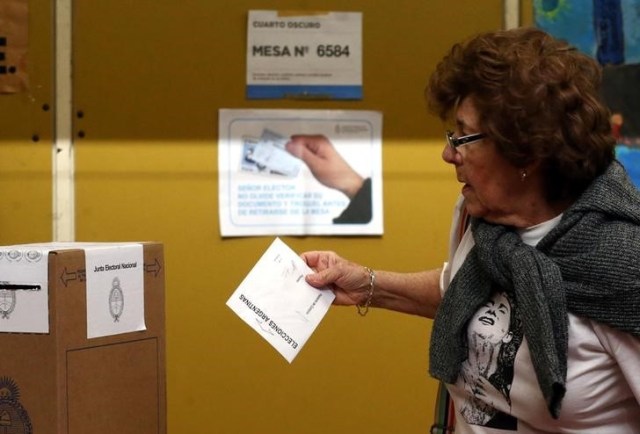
<point>300,172</point>
<point>304,55</point>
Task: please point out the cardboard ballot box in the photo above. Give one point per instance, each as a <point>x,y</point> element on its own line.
<point>54,377</point>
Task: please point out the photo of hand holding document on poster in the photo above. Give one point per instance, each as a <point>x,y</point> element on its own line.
<point>300,172</point>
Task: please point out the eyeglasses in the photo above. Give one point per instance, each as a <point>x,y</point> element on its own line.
<point>454,142</point>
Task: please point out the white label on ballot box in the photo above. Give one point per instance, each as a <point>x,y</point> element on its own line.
<point>115,289</point>
<point>24,294</point>
<point>114,281</point>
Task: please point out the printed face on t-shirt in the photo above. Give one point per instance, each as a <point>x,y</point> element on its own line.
<point>491,322</point>
<point>494,336</point>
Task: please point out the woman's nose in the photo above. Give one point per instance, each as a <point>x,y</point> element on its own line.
<point>449,154</point>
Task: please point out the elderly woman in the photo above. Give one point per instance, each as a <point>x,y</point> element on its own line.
<point>554,225</point>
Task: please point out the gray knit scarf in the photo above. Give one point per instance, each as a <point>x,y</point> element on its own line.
<point>589,265</point>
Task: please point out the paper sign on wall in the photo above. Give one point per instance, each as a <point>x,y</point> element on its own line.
<point>296,55</point>
<point>265,190</point>
<point>14,42</point>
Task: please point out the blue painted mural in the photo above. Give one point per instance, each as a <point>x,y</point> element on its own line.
<point>609,31</point>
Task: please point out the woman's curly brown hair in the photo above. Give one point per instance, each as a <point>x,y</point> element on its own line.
<point>537,97</point>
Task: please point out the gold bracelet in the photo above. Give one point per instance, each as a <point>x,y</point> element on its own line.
<point>364,309</point>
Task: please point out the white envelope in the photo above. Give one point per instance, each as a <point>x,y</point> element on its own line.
<point>276,302</point>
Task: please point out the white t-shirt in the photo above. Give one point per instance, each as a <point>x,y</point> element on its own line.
<point>497,390</point>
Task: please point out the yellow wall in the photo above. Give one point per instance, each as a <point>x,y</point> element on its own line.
<point>149,78</point>
<point>26,129</point>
